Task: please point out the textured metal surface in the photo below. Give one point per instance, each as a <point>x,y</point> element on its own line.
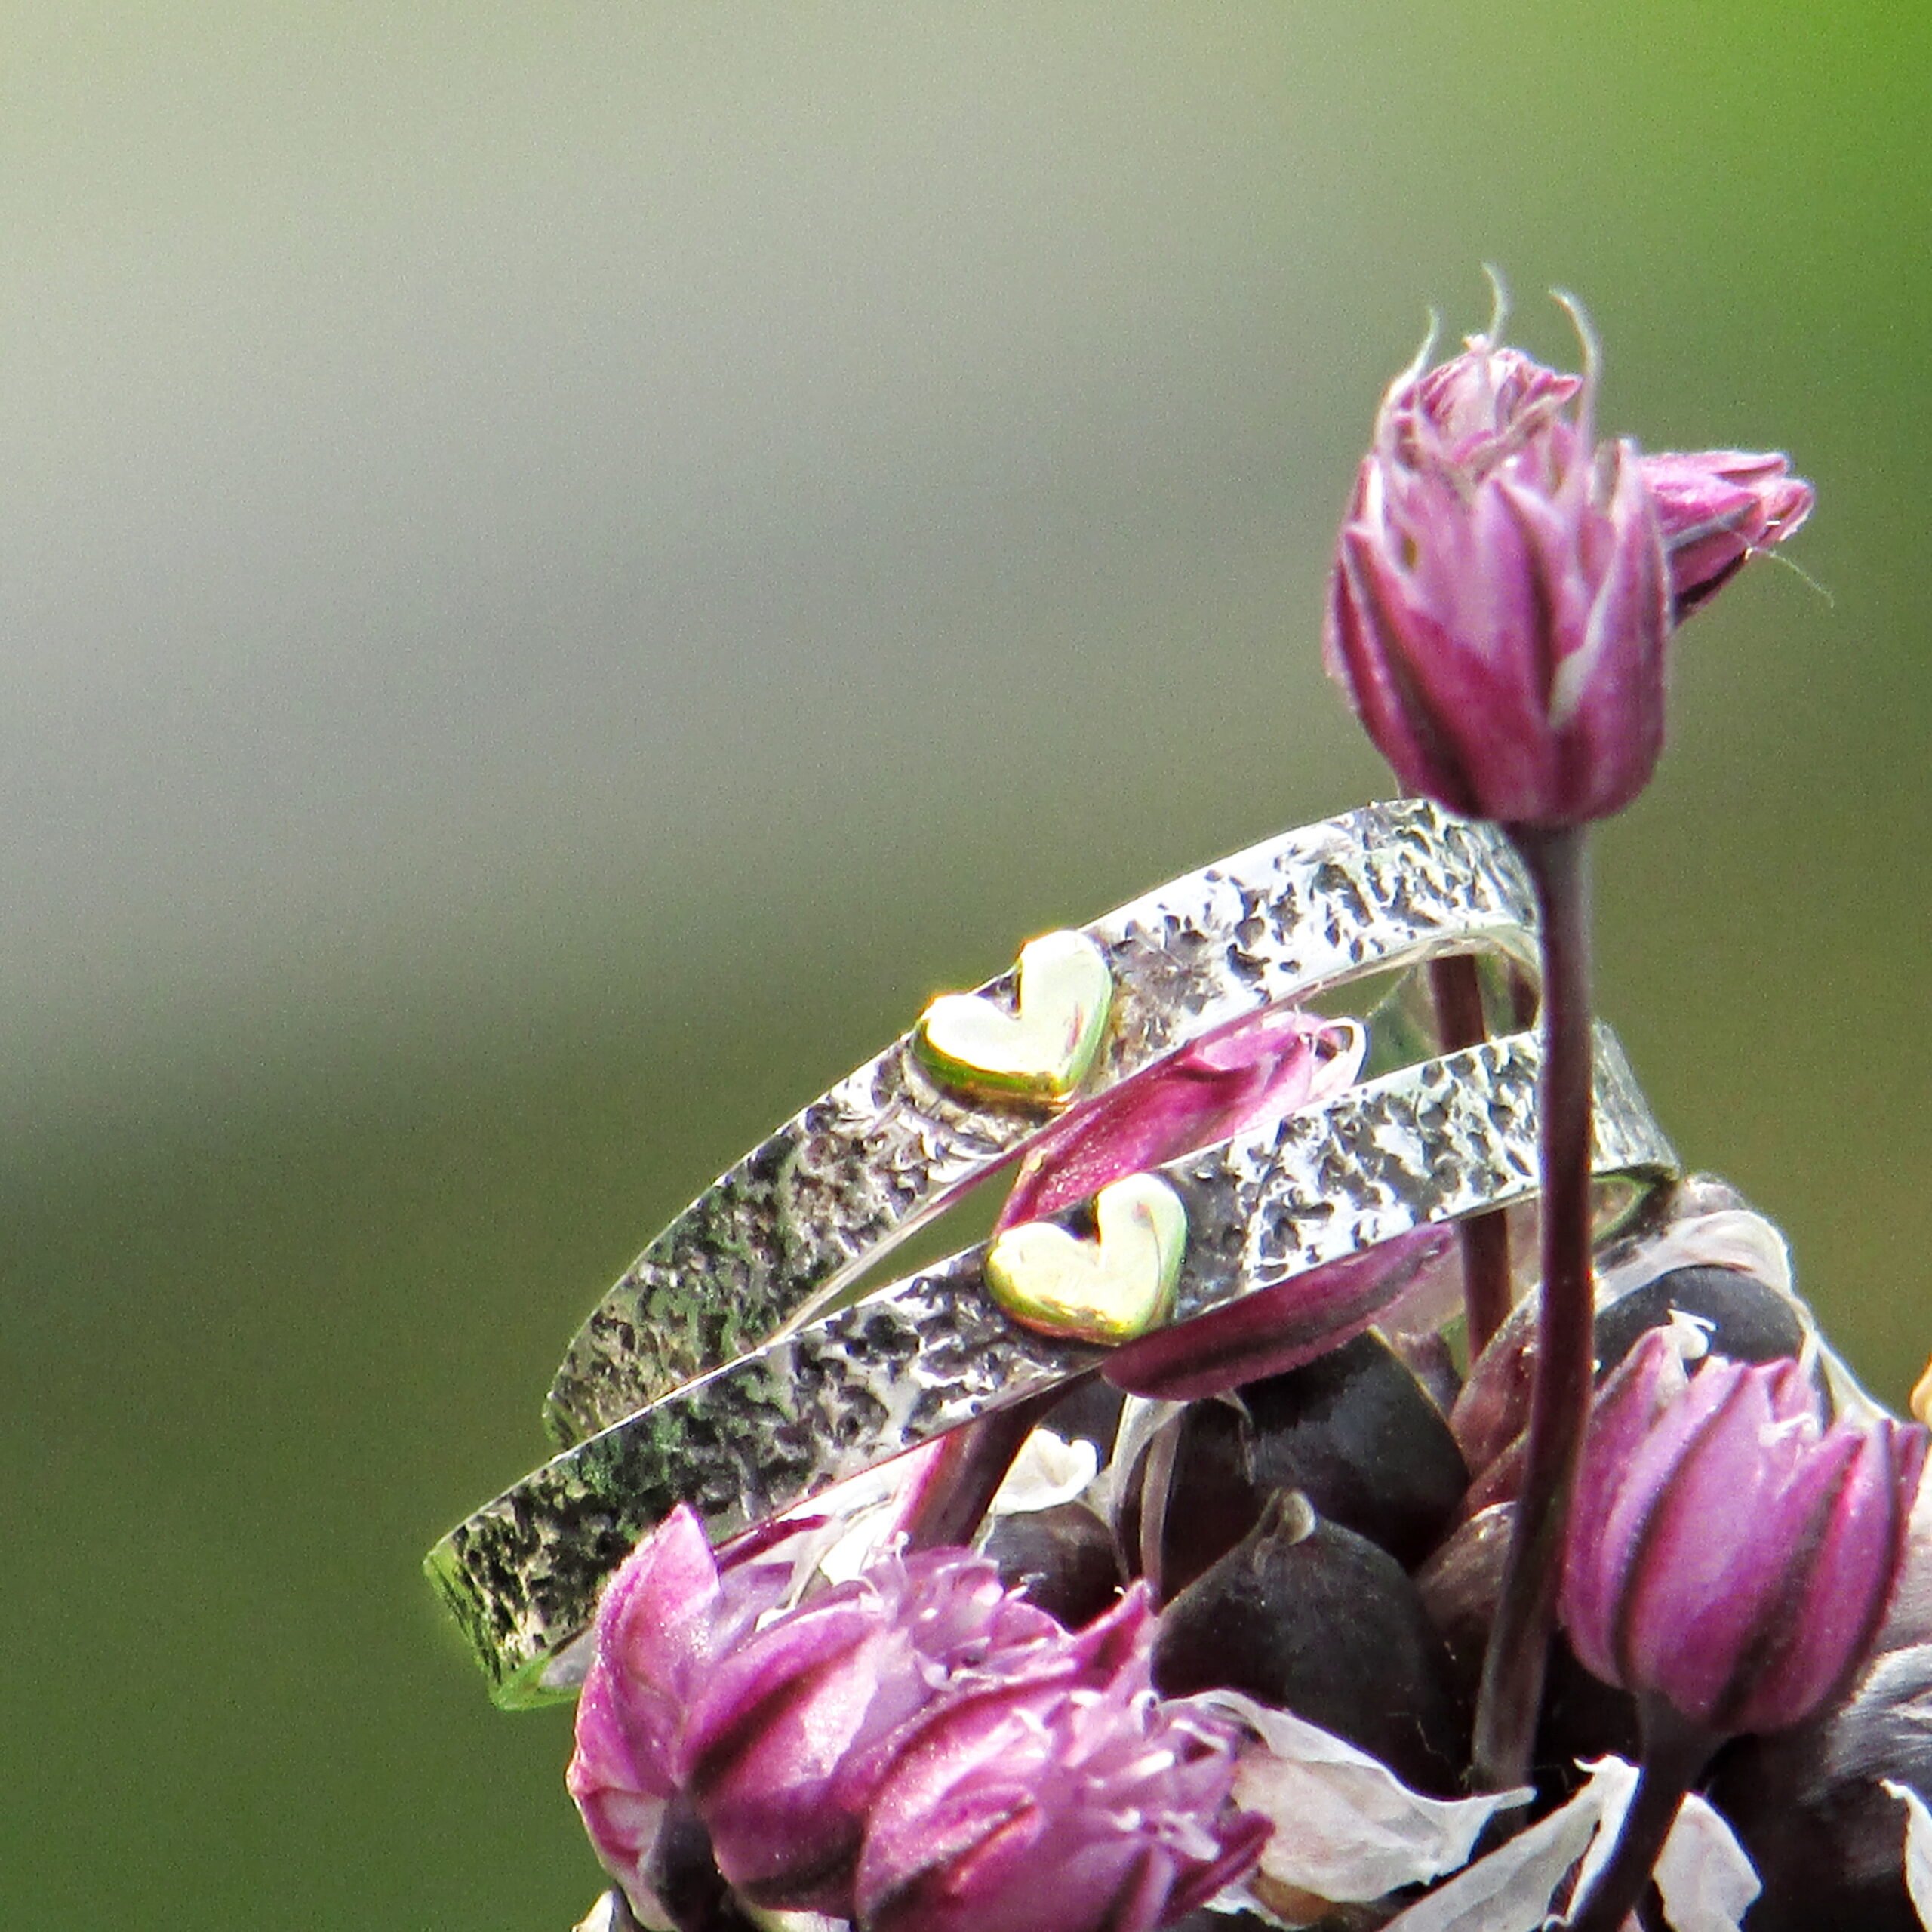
<point>889,1146</point>
<point>912,1360</point>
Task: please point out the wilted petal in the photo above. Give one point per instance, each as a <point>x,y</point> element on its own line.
<point>1917,1850</point>
<point>1516,1888</point>
<point>1346,1829</point>
<point>1238,1083</point>
<point>1272,1329</point>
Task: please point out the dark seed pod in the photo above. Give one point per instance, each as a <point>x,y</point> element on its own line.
<point>1582,1718</point>
<point>1353,1431</point>
<point>1746,1321</point>
<point>1427,1356</point>
<point>1311,1617</point>
<point>1749,1320</point>
<point>1062,1559</point>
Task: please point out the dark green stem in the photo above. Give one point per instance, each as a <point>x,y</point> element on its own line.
<point>1675,1753</point>
<point>1513,1667</point>
<point>1456,984</point>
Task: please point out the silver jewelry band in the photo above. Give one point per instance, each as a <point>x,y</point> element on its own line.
<point>800,1217</point>
<point>1448,1138</point>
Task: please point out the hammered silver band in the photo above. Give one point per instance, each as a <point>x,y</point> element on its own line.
<point>804,1213</point>
<point>1451,1136</point>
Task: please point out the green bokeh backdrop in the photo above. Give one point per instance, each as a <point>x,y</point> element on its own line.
<point>564,567</point>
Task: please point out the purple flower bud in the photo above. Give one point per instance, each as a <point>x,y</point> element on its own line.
<point>1718,508</point>
<point>667,1613</point>
<point>782,1747</point>
<point>1730,1553</point>
<point>1048,1805</point>
<point>1499,603</point>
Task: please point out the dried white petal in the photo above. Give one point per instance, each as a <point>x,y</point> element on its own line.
<point>1049,1470</point>
<point>1706,1880</point>
<point>1721,1237</point>
<point>1347,1828</point>
<point>1917,1849</point>
<point>1142,1417</point>
<point>862,1518</point>
<point>769,1921</point>
<point>1511,1889</point>
<point>610,1914</point>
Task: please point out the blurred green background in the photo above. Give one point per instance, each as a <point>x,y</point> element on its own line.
<point>563,567</point>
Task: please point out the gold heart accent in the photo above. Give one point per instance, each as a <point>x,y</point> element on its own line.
<point>1042,1051</point>
<point>1110,1289</point>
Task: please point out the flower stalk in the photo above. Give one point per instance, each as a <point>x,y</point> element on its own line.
<point>1675,1753</point>
<point>1514,1663</point>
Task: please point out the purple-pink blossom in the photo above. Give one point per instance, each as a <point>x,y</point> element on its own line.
<point>779,1728</point>
<point>765,1722</point>
<point>1505,586</point>
<point>667,1613</point>
<point>1732,1552</point>
<point>1500,603</point>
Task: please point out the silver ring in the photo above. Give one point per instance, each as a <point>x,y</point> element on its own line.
<point>1451,1136</point>
<point>802,1215</point>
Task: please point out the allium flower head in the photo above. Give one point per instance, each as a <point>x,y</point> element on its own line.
<point>1058,1806</point>
<point>1500,599</point>
<point>896,1715</point>
<point>776,1734</point>
<point>1730,1553</point>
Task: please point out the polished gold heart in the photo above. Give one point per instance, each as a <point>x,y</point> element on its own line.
<point>1110,1289</point>
<point>1041,1051</point>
